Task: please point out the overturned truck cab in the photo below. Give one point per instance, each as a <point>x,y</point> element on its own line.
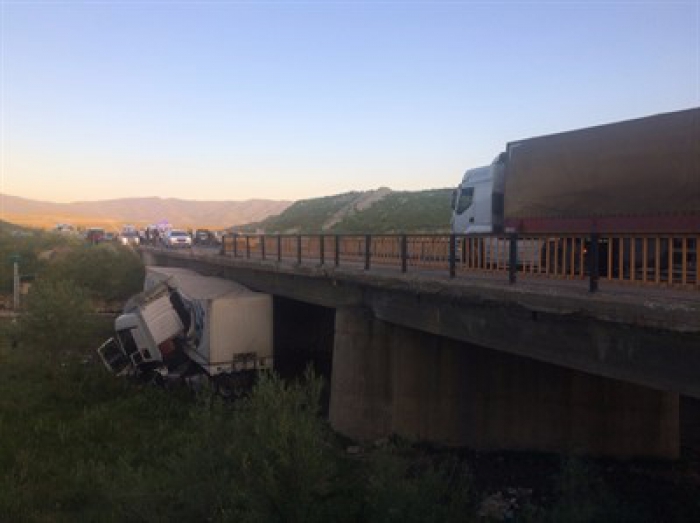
<point>184,324</point>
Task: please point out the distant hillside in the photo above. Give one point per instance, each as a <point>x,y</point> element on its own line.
<point>380,211</point>
<point>139,211</point>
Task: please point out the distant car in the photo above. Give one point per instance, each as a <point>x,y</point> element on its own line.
<point>177,238</point>
<point>129,237</point>
<point>95,235</point>
<point>202,237</point>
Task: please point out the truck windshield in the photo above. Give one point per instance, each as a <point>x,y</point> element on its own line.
<point>127,341</point>
<point>466,196</point>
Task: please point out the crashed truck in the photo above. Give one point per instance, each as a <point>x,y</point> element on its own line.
<point>188,327</point>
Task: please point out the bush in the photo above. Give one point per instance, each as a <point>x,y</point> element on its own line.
<point>286,464</point>
<point>57,315</point>
<point>28,248</point>
<point>107,272</point>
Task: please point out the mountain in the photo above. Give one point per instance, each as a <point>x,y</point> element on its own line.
<point>380,211</point>
<point>139,211</point>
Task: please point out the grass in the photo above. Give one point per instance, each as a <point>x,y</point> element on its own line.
<point>66,429</point>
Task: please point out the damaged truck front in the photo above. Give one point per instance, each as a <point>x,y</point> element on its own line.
<point>185,325</point>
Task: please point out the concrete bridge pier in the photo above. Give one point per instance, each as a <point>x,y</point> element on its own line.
<point>391,379</point>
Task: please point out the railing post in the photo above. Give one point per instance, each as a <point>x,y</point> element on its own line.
<point>262,247</point>
<point>463,252</point>
<point>368,250</point>
<point>279,247</point>
<point>404,253</point>
<point>299,249</point>
<point>247,246</point>
<point>337,250</point>
<point>321,249</point>
<point>453,254</point>
<point>222,251</point>
<point>235,244</point>
<point>594,262</point>
<point>513,258</point>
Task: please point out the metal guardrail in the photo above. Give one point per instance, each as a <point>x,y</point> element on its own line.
<point>660,260</point>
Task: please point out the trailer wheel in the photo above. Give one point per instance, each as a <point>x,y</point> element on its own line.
<point>222,386</point>
<point>234,385</point>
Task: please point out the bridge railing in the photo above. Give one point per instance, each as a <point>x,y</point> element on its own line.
<point>661,260</point>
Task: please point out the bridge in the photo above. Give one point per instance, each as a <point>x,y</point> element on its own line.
<point>431,340</point>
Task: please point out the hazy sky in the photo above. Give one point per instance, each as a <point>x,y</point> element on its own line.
<point>287,100</point>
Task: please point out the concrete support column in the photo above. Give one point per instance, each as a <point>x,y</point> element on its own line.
<point>361,402</point>
<point>390,379</point>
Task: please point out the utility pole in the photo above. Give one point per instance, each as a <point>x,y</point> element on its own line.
<point>15,282</point>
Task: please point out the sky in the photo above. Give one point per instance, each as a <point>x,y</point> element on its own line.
<point>286,100</point>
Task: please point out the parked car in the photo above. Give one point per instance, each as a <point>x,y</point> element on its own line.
<point>177,238</point>
<point>95,235</point>
<point>129,237</point>
<point>202,237</point>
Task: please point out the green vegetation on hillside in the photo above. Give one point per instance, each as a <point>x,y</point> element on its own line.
<point>424,211</point>
<point>304,216</point>
<point>404,211</point>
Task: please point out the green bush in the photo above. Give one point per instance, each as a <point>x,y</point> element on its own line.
<point>265,458</point>
<point>285,462</point>
<point>57,315</point>
<point>108,272</point>
<point>28,246</point>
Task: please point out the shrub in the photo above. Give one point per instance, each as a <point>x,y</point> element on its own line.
<point>57,315</point>
<point>107,272</point>
<point>286,465</point>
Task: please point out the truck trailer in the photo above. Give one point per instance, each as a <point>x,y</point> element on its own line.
<point>629,178</point>
<point>184,324</point>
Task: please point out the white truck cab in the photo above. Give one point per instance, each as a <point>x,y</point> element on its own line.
<point>477,202</point>
<point>147,324</point>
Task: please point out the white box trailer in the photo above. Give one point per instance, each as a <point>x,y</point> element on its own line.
<point>231,325</point>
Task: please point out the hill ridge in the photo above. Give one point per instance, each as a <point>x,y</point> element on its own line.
<point>113,213</point>
<point>378,211</point>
